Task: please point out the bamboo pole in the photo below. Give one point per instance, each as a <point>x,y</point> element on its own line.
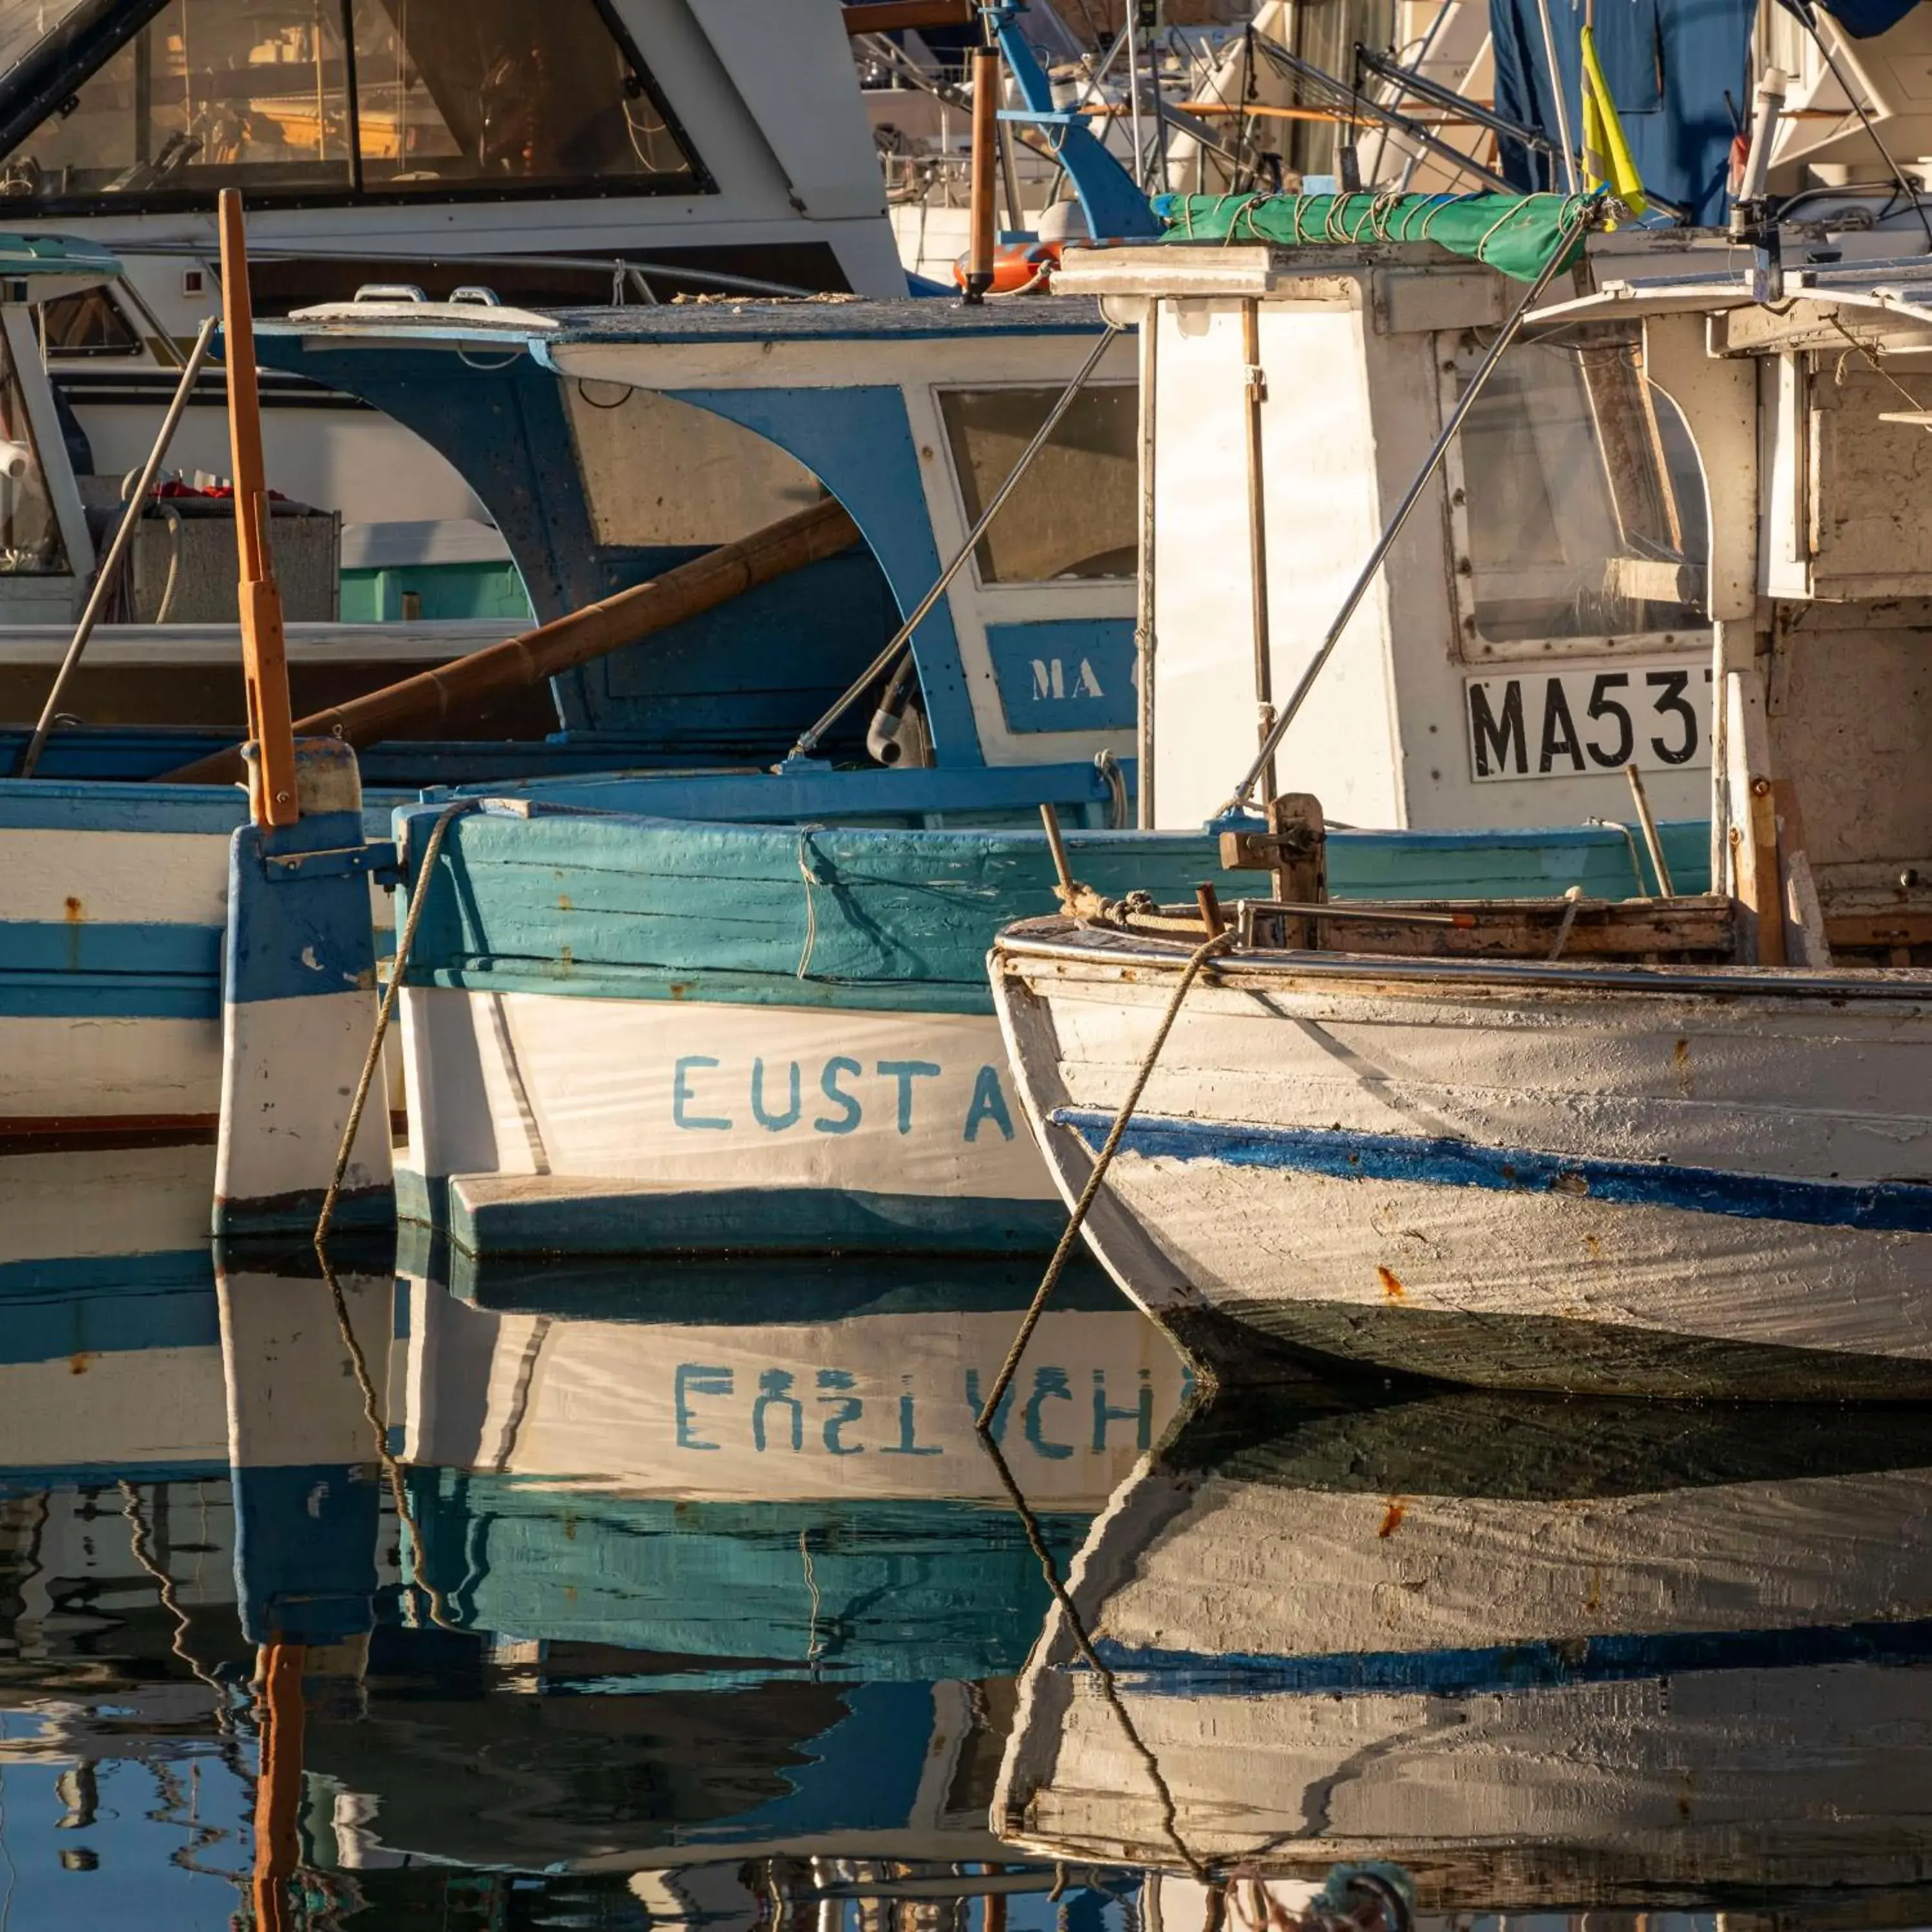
<point>419,704</point>
<point>272,782</point>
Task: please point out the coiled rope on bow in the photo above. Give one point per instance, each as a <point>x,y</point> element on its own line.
<point>1198,958</point>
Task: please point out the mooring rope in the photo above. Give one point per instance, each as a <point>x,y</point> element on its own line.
<point>1103,1678</point>
<point>373,1059</point>
<point>378,1430</point>
<point>1102,1161</point>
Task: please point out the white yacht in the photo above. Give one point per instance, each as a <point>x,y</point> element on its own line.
<point>585,151</point>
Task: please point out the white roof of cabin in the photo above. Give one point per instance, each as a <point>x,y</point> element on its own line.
<point>1886,301</point>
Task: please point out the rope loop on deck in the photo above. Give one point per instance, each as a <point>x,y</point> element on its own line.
<point>1198,957</point>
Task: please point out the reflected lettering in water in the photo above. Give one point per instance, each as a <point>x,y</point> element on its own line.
<point>601,1595</point>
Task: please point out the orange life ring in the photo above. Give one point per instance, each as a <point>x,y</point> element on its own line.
<point>1019,268</point>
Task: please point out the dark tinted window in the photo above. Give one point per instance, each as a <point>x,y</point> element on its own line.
<point>495,96</point>
<point>88,324</point>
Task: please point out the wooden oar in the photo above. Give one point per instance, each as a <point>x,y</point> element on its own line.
<point>418,705</point>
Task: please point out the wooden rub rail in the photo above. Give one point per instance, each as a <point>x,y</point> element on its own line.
<point>1699,929</point>
<point>419,704</point>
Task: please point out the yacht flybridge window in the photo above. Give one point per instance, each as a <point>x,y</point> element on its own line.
<point>1578,506</point>
<point>332,100</point>
<point>1072,514</point>
<point>30,537</point>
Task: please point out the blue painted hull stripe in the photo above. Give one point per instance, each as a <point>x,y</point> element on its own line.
<point>149,950</point>
<point>1882,1207</point>
<point>118,1301</point>
<point>63,996</point>
<point>32,1480</point>
<point>1536,1664</point>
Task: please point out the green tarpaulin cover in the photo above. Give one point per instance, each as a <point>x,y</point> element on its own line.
<point>1515,234</point>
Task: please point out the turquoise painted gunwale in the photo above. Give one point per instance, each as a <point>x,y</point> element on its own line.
<point>608,906</point>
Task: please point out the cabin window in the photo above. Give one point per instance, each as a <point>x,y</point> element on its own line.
<point>334,100</point>
<point>1071,515</point>
<point>88,323</point>
<point>502,92</point>
<point>30,537</point>
<point>1581,511</point>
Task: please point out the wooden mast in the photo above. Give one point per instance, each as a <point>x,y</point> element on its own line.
<point>272,777</point>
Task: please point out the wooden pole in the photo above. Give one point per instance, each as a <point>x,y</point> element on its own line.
<point>271,782</point>
<point>278,1780</point>
<point>420,704</point>
<point>985,141</point>
<point>1254,388</point>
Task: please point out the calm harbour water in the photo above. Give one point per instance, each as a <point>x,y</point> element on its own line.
<point>622,1595</point>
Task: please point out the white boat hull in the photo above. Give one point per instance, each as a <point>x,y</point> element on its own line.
<point>1670,1188</point>
<point>628,1125</point>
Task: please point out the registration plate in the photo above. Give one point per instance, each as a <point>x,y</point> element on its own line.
<point>1574,724</point>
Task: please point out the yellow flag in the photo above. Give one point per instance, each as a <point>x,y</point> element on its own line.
<point>1606,154</point>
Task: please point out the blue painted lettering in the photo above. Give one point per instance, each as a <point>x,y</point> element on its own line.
<point>908,1430</point>
<point>905,1072</point>
<point>774,1123</point>
<point>695,1379</point>
<point>1140,1414</point>
<point>1048,1384</point>
<point>988,1103</point>
<point>828,1083</point>
<point>681,1095</point>
<point>774,1388</point>
<point>845,1409</point>
<point>975,1401</point>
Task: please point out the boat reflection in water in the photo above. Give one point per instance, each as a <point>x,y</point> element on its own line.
<point>1546,1656</point>
<point>350,1594</point>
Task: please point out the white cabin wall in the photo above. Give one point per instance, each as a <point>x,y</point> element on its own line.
<point>1321,452</point>
<point>1320,518</point>
<point>1203,700</point>
<point>790,61</point>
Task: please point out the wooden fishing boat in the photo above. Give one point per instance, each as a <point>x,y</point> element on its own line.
<point>555,1100</point>
<point>623,1033</point>
<point>109,1000</point>
<point>1544,1656</point>
<point>1673,1145</point>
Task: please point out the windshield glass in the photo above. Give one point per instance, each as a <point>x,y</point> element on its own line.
<point>1585,505</point>
<point>336,100</point>
<point>30,537</point>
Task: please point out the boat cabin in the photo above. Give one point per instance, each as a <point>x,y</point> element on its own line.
<point>610,444</point>
<point>1812,416</point>
<point>573,151</point>
<point>1544,618</point>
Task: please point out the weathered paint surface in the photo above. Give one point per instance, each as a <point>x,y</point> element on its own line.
<point>878,1406</point>
<point>299,1008</point>
<point>1668,1191</point>
<point>1597,1642</point>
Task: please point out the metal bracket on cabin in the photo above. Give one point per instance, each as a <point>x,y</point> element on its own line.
<point>378,859</point>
